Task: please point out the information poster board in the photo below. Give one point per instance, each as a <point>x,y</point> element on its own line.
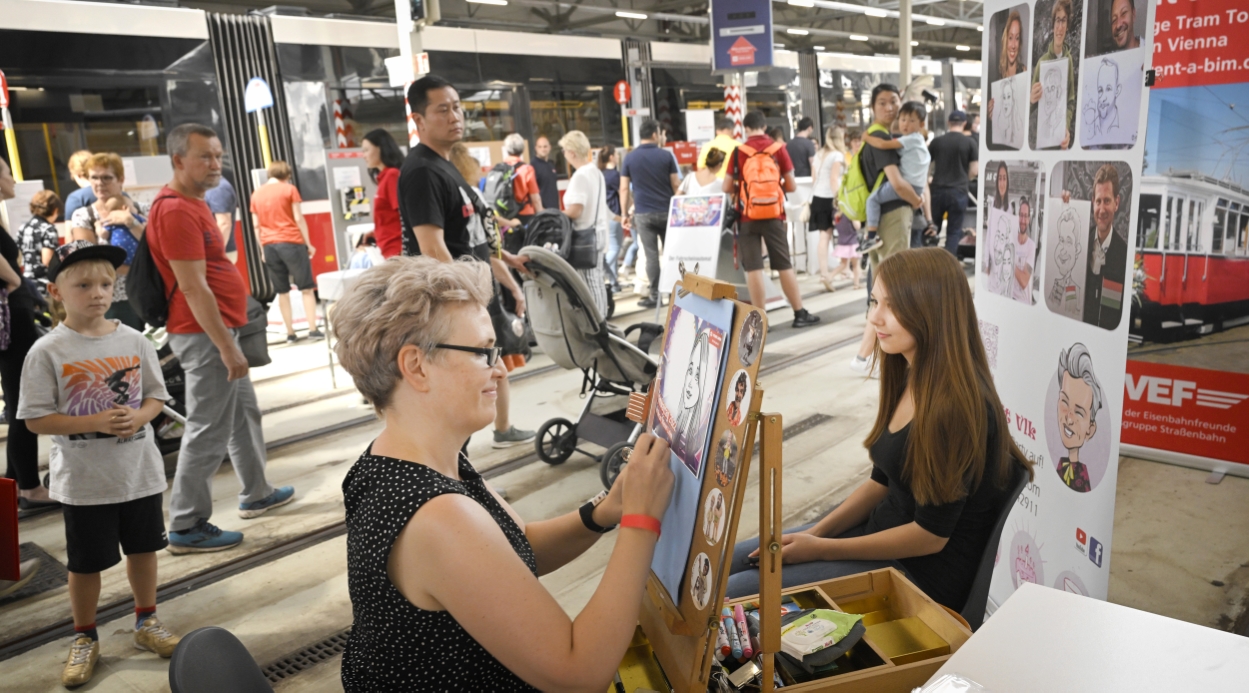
<point>1053,288</point>
<point>741,35</point>
<point>1187,383</point>
<point>692,241</point>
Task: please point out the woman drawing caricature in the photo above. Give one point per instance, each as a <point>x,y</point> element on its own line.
<point>686,442</point>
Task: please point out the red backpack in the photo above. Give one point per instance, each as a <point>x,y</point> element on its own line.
<point>761,195</point>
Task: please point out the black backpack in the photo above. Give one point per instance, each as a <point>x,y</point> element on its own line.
<point>500,192</point>
<point>145,286</point>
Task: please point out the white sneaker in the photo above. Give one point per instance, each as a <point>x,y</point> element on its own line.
<point>862,366</point>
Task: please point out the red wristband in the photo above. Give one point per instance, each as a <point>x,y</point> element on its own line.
<point>641,522</point>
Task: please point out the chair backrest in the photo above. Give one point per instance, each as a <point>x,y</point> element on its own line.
<point>973,610</point>
<point>209,660</point>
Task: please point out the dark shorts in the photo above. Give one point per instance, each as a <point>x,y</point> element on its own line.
<point>772,232</point>
<point>821,214</point>
<point>93,532</point>
<point>288,263</point>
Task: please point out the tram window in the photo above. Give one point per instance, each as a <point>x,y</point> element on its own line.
<point>1219,227</point>
<point>488,115</point>
<point>1191,241</point>
<point>557,112</point>
<point>1175,224</point>
<point>1147,231</point>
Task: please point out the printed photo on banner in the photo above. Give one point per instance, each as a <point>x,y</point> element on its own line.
<point>1011,238</point>
<point>714,515</point>
<point>1078,424</point>
<point>1114,74</point>
<point>1087,251</point>
<point>738,398</point>
<point>1055,74</point>
<point>696,211</point>
<point>1008,77</point>
<point>725,456</point>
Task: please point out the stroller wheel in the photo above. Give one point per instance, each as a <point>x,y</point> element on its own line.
<point>614,461</point>
<point>555,441</point>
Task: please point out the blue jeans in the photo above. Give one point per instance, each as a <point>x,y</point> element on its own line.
<point>882,195</point>
<point>952,204</point>
<point>744,577</point>
<point>615,239</point>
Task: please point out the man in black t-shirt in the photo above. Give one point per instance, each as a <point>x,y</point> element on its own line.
<point>437,207</point>
<point>955,161</point>
<point>544,171</point>
<point>801,148</point>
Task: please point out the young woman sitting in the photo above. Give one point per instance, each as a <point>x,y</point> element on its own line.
<point>442,572</point>
<point>942,457</point>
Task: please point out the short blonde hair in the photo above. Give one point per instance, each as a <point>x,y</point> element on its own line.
<point>400,302</point>
<point>280,170</point>
<point>109,161</point>
<point>77,163</point>
<point>464,162</point>
<point>98,267</point>
<point>577,142</point>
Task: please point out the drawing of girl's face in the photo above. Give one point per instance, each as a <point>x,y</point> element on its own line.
<point>1008,100</point>
<point>1060,30</point>
<point>694,373</point>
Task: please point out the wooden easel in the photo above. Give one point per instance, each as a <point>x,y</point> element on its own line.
<point>683,637</point>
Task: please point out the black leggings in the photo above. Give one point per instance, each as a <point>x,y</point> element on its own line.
<point>22,446</point>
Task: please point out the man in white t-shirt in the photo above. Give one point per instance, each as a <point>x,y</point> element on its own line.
<point>1025,256</point>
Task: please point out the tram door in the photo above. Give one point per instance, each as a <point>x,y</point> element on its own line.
<point>556,112</point>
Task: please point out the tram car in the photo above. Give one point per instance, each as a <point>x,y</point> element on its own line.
<point>1192,260</point>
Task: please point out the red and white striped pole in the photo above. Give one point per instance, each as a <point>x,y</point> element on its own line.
<point>733,109</point>
<point>343,131</point>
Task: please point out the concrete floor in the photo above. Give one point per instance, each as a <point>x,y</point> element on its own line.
<point>1181,546</point>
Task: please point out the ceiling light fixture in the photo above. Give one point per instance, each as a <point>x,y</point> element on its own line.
<point>980,27</point>
<point>873,12</point>
<point>797,32</point>
<point>914,43</point>
<point>802,3</point>
<point>490,2</point>
<point>934,21</point>
<point>818,48</point>
<point>856,37</point>
<point>631,15</point>
<point>962,48</point>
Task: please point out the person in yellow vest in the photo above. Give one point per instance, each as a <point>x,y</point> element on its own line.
<point>724,142</point>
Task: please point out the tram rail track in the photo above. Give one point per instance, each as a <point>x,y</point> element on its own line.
<point>25,642</point>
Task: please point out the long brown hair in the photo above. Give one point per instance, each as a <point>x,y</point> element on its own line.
<point>1002,62</point>
<point>949,379</point>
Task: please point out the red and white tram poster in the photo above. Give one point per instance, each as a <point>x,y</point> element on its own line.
<point>1190,304</point>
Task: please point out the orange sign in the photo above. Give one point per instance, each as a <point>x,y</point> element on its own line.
<point>623,92</point>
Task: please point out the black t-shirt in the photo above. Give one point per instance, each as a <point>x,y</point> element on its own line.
<point>946,576</point>
<point>429,193</point>
<point>951,155</point>
<point>874,161</point>
<point>548,182</point>
<point>801,149</point>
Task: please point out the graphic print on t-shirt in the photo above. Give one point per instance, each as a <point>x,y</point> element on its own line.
<point>96,385</point>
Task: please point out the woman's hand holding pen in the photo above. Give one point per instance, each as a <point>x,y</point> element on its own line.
<point>647,479</point>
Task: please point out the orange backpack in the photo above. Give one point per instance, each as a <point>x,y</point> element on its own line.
<point>762,196</point>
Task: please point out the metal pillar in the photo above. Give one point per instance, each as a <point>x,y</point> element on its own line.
<point>904,44</point>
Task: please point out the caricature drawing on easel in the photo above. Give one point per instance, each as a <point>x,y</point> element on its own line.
<point>686,439</point>
<point>1065,292</point>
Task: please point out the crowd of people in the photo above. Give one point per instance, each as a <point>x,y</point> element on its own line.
<point>93,382</point>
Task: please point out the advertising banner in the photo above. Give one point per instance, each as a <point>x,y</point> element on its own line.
<point>692,242</point>
<point>1061,177</point>
<point>1191,300</point>
<point>741,35</point>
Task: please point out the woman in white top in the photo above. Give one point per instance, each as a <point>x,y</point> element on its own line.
<point>706,180</point>
<point>585,202</point>
<point>830,163</point>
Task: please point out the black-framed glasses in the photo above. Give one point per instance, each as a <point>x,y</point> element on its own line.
<point>492,354</point>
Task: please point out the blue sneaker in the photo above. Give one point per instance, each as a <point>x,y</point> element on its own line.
<point>204,537</point>
<point>280,496</point>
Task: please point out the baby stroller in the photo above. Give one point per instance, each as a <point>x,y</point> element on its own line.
<point>570,330</point>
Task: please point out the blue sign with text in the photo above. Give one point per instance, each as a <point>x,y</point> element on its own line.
<point>741,35</point>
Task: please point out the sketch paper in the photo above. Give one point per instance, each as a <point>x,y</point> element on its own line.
<point>1052,108</point>
<point>347,177</point>
<point>1110,99</point>
<point>1003,227</point>
<point>1066,241</point>
<point>691,369</point>
<point>1010,102</point>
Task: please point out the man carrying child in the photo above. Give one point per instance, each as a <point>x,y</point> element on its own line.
<point>94,384</point>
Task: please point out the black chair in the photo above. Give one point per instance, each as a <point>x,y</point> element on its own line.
<point>973,610</point>
<point>210,660</point>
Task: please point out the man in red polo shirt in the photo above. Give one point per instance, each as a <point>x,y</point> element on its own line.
<point>755,233</point>
<point>208,304</point>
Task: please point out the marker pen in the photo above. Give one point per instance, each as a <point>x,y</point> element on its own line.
<point>739,618</point>
<point>722,642</point>
<point>730,627</point>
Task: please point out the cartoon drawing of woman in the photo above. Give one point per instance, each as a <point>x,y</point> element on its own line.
<point>739,393</point>
<point>686,441</point>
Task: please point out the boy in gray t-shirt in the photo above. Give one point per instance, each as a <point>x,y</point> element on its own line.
<point>94,385</point>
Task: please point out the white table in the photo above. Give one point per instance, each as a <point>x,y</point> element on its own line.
<point>1044,640</point>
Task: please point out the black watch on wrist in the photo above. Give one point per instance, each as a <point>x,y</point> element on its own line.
<point>587,514</point>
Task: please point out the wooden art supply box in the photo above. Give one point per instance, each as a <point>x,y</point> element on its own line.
<point>908,635</point>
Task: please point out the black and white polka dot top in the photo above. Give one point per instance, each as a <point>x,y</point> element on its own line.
<point>395,646</point>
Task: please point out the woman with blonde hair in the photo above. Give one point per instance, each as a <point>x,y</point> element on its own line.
<point>1010,61</point>
<point>585,202</point>
<point>441,571</point>
<point>830,164</point>
<point>943,461</point>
